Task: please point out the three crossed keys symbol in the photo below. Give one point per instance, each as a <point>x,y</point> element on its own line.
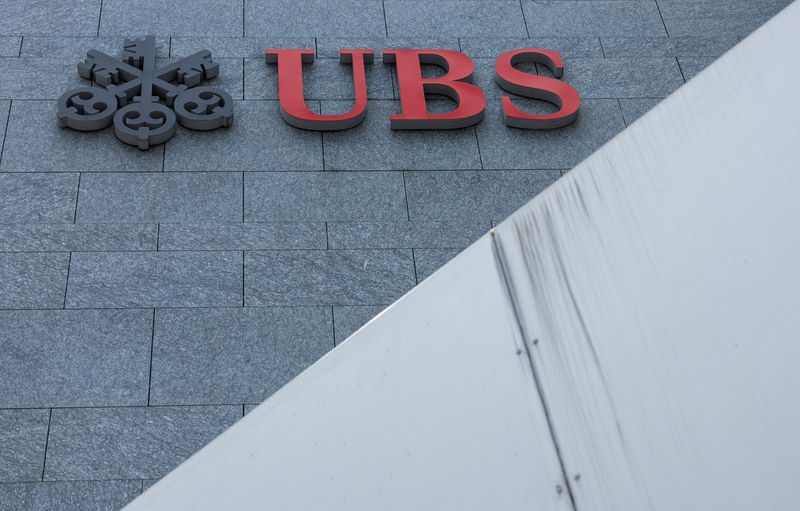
<point>143,102</point>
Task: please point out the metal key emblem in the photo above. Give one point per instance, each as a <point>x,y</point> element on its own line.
<point>143,102</point>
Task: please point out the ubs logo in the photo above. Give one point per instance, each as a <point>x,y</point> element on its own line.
<point>144,102</point>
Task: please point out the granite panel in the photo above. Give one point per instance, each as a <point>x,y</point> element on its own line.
<point>74,358</point>
<point>132,442</point>
<point>23,434</point>
<point>234,355</point>
<point>437,196</point>
<point>162,197</point>
<point>155,279</point>
<point>31,198</point>
<point>327,277</point>
<point>33,280</point>
<point>324,196</point>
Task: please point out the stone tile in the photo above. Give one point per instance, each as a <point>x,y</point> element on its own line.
<point>126,443</point>
<point>22,437</point>
<point>632,109</point>
<point>234,355</point>
<point>373,145</point>
<point>76,237</point>
<point>69,495</point>
<point>178,197</point>
<point>29,198</point>
<point>569,47</point>
<point>74,358</point>
<point>348,319</point>
<point>168,18</point>
<point>230,79</point>
<point>9,46</point>
<point>416,18</point>
<point>74,49</point>
<point>328,47</point>
<point>155,279</point>
<point>667,46</point>
<point>249,408</point>
<point>241,236</point>
<point>316,18</point>
<point>563,148</point>
<point>5,106</point>
<point>324,79</point>
<point>693,65</point>
<point>622,78</point>
<point>50,17</point>
<point>405,234</point>
<point>712,17</point>
<point>324,196</point>
<point>478,195</point>
<point>427,261</point>
<point>35,143</point>
<point>258,140</point>
<point>236,47</point>
<point>33,280</point>
<point>624,18</point>
<point>327,277</point>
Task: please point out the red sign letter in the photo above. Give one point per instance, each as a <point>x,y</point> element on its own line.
<point>469,98</point>
<point>537,87</point>
<point>290,89</point>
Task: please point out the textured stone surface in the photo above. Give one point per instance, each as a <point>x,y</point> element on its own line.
<point>667,47</point>
<point>324,79</point>
<point>219,17</point>
<point>328,47</point>
<point>406,18</point>
<point>9,46</point>
<point>250,236</point>
<point>404,234</point>
<point>35,143</point>
<point>50,17</point>
<point>22,438</point>
<point>478,195</point>
<point>74,358</point>
<point>327,277</point>
<point>69,496</point>
<point>127,443</point>
<point>427,260</point>
<point>348,319</point>
<point>258,140</point>
<point>632,109</point>
<point>569,47</point>
<point>234,355</point>
<point>316,18</point>
<point>356,149</point>
<point>37,198</point>
<point>73,49</point>
<point>33,280</point>
<point>179,197</point>
<point>155,279</point>
<point>507,148</point>
<point>690,66</point>
<point>236,47</point>
<point>624,18</point>
<point>321,196</point>
<point>76,237</point>
<point>715,17</point>
<point>622,78</point>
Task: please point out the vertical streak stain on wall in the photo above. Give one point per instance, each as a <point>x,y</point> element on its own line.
<point>660,279</point>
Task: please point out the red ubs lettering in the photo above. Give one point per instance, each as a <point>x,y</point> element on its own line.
<point>456,83</point>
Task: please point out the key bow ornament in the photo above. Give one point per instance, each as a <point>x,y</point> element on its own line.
<point>144,102</point>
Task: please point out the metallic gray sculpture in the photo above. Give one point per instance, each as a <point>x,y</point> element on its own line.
<point>139,99</point>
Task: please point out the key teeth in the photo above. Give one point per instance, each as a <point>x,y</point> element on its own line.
<point>86,68</point>
<point>210,69</point>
